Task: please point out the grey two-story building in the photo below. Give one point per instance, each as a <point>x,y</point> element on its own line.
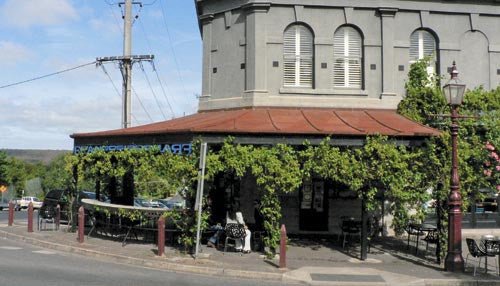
<point>290,70</point>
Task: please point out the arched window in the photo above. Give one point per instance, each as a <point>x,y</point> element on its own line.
<point>423,44</point>
<point>298,50</point>
<point>347,55</point>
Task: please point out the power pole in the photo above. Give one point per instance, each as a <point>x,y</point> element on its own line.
<point>126,61</point>
<point>127,64</point>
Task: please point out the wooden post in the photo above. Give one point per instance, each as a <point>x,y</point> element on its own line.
<point>30,217</point>
<point>161,236</point>
<point>283,247</point>
<point>58,216</point>
<point>11,213</point>
<point>81,224</point>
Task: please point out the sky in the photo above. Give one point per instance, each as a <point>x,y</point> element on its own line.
<point>41,37</point>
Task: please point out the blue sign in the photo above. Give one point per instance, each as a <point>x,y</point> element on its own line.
<point>179,149</point>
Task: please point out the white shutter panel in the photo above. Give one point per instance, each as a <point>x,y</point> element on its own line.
<point>414,47</point>
<point>306,57</point>
<point>354,42</point>
<point>339,62</point>
<point>289,56</point>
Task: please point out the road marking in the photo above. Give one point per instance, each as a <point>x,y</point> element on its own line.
<point>43,252</point>
<point>10,248</point>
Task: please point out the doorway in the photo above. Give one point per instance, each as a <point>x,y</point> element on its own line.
<point>313,208</point>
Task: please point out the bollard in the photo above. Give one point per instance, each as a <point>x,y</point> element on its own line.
<point>30,217</point>
<point>283,247</point>
<point>58,216</point>
<point>11,213</point>
<point>161,236</point>
<point>81,224</point>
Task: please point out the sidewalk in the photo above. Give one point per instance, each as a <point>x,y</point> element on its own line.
<point>314,262</point>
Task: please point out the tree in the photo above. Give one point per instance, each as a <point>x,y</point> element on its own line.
<point>3,168</point>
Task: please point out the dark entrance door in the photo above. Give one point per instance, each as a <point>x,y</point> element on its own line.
<point>313,213</point>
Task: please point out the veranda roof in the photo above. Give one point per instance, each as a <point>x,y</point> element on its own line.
<point>282,121</point>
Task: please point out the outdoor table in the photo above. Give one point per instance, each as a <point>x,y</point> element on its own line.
<point>421,228</point>
<point>491,246</point>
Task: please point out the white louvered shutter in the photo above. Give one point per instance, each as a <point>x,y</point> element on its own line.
<point>347,54</point>
<point>423,44</point>
<point>298,52</point>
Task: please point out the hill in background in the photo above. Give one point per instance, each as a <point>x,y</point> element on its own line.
<point>35,156</point>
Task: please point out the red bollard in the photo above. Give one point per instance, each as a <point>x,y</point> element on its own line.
<point>11,213</point>
<point>58,216</point>
<point>81,224</point>
<point>161,236</point>
<point>30,217</point>
<point>283,247</point>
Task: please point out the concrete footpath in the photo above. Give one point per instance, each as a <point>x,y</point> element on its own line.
<point>309,261</point>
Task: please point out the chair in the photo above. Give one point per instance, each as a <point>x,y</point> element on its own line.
<point>349,227</point>
<point>431,237</point>
<point>411,230</point>
<point>233,244</point>
<point>476,252</point>
<point>46,217</point>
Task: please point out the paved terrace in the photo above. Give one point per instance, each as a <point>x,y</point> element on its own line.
<point>312,261</point>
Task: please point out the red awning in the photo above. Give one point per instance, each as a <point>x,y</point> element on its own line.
<point>275,121</point>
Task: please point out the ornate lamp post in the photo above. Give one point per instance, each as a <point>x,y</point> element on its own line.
<point>454,94</point>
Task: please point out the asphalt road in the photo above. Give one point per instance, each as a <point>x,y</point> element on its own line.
<point>24,264</point>
<point>21,215</point>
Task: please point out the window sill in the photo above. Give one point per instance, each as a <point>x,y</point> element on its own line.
<point>336,92</point>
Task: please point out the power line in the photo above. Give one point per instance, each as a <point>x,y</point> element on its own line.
<point>163,91</point>
<point>116,89</point>
<point>152,91</point>
<point>140,102</point>
<point>47,75</point>
<point>155,70</point>
<point>172,46</point>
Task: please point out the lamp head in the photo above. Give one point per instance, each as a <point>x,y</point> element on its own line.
<point>453,90</point>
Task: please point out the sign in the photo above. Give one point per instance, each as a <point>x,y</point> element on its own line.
<point>179,149</point>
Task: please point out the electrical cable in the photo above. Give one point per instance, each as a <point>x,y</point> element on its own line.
<point>155,70</point>
<point>172,47</point>
<point>142,105</point>
<point>152,91</point>
<point>116,89</point>
<point>47,75</point>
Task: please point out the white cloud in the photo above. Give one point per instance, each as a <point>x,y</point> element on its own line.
<point>28,13</point>
<point>12,53</point>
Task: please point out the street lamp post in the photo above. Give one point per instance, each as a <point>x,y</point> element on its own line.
<point>454,262</point>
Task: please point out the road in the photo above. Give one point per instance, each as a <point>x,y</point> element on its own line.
<point>24,264</point>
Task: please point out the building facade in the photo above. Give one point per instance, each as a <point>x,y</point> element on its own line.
<point>286,71</point>
<point>339,53</point>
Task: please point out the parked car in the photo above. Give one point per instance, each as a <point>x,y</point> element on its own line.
<point>61,197</point>
<point>25,201</point>
<point>4,204</point>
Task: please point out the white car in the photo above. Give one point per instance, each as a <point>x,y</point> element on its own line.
<point>25,201</point>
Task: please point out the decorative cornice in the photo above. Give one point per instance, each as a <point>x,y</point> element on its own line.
<point>257,7</point>
<point>387,11</point>
<point>206,18</point>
